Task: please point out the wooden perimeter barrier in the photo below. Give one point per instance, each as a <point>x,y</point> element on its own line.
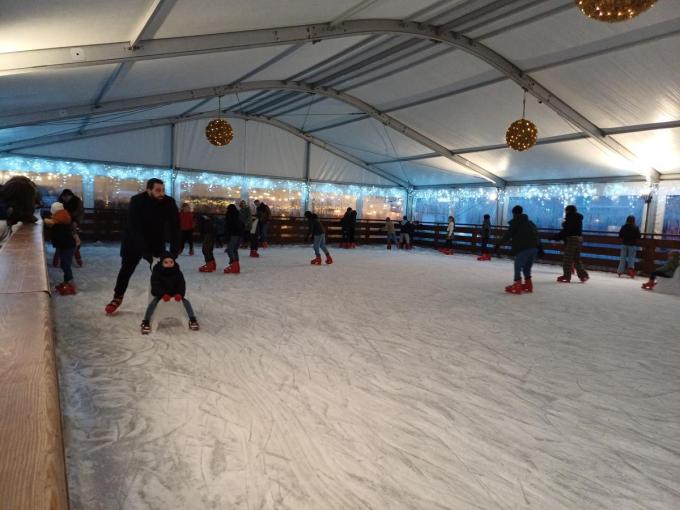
<point>600,249</point>
<point>32,472</point>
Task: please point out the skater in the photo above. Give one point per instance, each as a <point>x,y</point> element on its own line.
<point>450,229</point>
<point>630,235</point>
<point>665,271</point>
<point>153,220</point>
<point>167,282</point>
<point>572,228</point>
<point>233,232</point>
<point>74,206</point>
<point>344,227</point>
<point>391,233</point>
<point>523,235</point>
<point>186,224</point>
<point>247,219</point>
<point>64,243</point>
<point>352,228</point>
<point>206,229</point>
<point>264,214</point>
<point>254,236</point>
<point>486,234</point>
<point>316,231</point>
<point>405,234</point>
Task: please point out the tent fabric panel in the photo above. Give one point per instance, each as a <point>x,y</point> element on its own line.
<point>399,9</point>
<point>425,173</point>
<point>272,151</point>
<point>196,17</point>
<point>569,29</point>
<point>194,151</point>
<point>659,148</point>
<point>324,166</point>
<point>50,89</point>
<point>28,132</point>
<point>634,86</point>
<point>142,147</point>
<point>565,160</point>
<point>48,24</point>
<point>159,76</point>
<point>319,114</point>
<point>480,117</point>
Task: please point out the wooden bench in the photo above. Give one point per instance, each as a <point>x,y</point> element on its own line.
<point>32,471</point>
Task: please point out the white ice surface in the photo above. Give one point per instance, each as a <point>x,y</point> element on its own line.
<point>385,381</point>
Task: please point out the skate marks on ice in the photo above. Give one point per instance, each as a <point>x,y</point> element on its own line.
<point>384,381</point>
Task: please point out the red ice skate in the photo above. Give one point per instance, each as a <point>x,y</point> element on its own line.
<point>515,288</point>
<point>584,279</point>
<point>254,254</point>
<point>67,289</point>
<point>527,286</point>
<point>329,260</point>
<point>265,245</point>
<point>316,261</point>
<point>563,279</point>
<point>233,268</point>
<point>113,305</point>
<point>631,272</point>
<point>649,285</point>
<point>208,267</point>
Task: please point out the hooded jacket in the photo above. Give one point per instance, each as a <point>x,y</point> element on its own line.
<point>314,225</point>
<point>62,234</point>
<point>486,228</point>
<point>74,206</point>
<point>233,226</point>
<point>167,280</point>
<point>264,213</point>
<point>151,223</point>
<point>246,217</point>
<point>571,226</point>
<point>630,234</point>
<point>521,233</point>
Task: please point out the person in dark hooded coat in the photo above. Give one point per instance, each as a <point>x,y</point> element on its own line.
<point>572,235</point>
<point>167,282</point>
<point>523,237</point>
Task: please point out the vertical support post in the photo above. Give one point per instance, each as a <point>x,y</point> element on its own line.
<point>501,205</point>
<point>174,192</point>
<point>88,191</point>
<point>360,204</point>
<point>306,206</point>
<point>409,203</point>
<point>649,211</point>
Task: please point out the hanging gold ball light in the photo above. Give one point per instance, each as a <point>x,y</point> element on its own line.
<point>522,134</point>
<point>219,132</point>
<point>613,11</point>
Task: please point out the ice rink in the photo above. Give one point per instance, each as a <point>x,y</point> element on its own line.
<point>385,381</point>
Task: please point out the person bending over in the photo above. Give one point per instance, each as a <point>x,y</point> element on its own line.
<point>317,232</point>
<point>665,271</point>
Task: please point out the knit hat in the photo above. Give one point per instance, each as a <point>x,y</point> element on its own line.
<point>167,255</point>
<point>56,207</point>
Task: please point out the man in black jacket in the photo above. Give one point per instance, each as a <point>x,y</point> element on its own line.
<point>571,234</point>
<point>153,220</point>
<point>523,235</point>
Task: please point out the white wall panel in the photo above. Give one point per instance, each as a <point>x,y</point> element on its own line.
<point>431,172</point>
<point>272,151</point>
<point>325,166</point>
<point>659,148</point>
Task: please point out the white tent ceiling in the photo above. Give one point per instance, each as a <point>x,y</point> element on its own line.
<point>618,77</point>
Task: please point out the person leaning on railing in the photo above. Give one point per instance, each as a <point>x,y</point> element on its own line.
<point>630,235</point>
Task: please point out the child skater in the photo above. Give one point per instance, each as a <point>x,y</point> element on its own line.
<point>450,229</point>
<point>486,234</point>
<point>523,235</point>
<point>665,271</point>
<point>167,282</point>
<point>316,230</point>
<point>391,233</point>
<point>233,232</point>
<point>64,244</point>
<point>206,228</point>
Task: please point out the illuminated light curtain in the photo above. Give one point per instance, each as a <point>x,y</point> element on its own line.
<point>283,201</point>
<point>111,193</point>
<point>467,206</point>
<point>332,200</point>
<point>379,207</point>
<point>671,218</point>
<point>50,184</point>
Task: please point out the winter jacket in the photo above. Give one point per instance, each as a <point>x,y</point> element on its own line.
<point>407,227</point>
<point>346,221</point>
<point>75,208</point>
<point>571,226</point>
<point>264,213</point>
<point>630,234</point>
<point>246,217</point>
<point>233,226</point>
<point>62,233</point>
<point>167,281</point>
<point>669,267</point>
<point>315,226</point>
<point>352,220</point>
<point>522,233</point>
<point>151,223</point>
<point>186,220</point>
<point>450,229</point>
<point>206,225</point>
<point>389,226</point>
<point>486,228</point>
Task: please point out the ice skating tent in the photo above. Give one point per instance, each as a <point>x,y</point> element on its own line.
<point>417,92</point>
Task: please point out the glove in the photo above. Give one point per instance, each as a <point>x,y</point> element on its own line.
<point>166,297</point>
<point>178,297</point>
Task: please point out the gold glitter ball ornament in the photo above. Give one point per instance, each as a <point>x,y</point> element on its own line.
<point>521,135</point>
<point>613,11</point>
<point>219,132</point>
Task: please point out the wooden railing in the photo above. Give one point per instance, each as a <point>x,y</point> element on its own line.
<point>32,473</point>
<point>600,249</point>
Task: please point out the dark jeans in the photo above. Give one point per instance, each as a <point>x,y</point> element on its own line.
<point>232,248</point>
<point>253,241</point>
<point>263,229</point>
<point>449,243</point>
<point>208,244</point>
<point>350,233</point>
<point>127,268</point>
<point>154,303</point>
<point>485,241</point>
<point>188,237</point>
<point>523,262</point>
<point>66,257</point>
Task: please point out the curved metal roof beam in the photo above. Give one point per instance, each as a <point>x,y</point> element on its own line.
<point>146,124</point>
<point>162,48</point>
<point>174,97</point>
